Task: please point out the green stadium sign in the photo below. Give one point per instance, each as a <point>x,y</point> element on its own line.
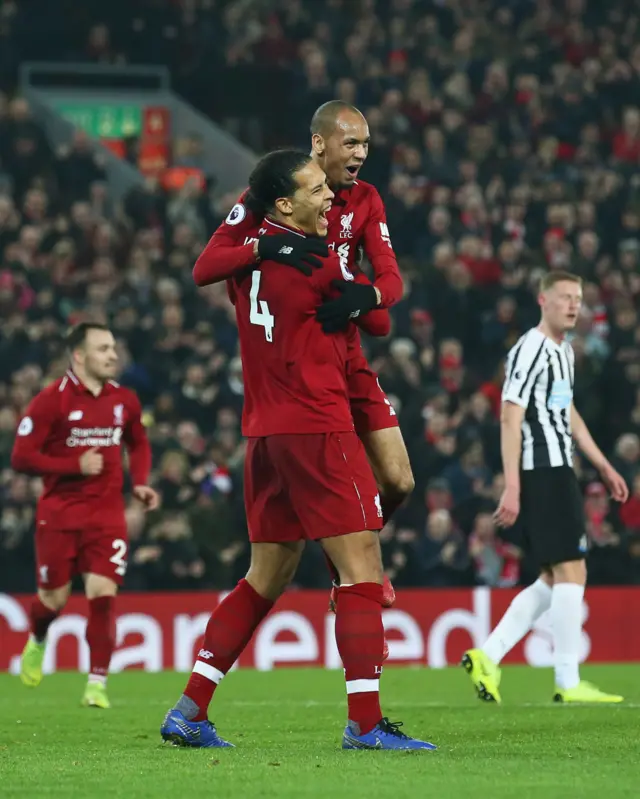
<point>101,121</point>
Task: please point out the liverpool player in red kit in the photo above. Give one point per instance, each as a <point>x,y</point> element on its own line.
<point>306,471</point>
<point>72,436</point>
<point>357,220</point>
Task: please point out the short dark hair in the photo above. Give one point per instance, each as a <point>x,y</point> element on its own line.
<point>550,279</point>
<point>272,178</point>
<point>324,120</point>
<point>76,336</point>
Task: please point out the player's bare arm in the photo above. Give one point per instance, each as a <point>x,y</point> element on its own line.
<point>511,417</point>
<point>583,438</point>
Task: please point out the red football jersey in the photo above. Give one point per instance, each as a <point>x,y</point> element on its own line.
<point>357,219</point>
<point>294,374</point>
<point>61,423</point>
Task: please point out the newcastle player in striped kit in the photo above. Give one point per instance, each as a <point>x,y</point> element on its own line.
<point>539,424</point>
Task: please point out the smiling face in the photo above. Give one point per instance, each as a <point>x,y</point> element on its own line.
<point>307,207</point>
<point>342,150</point>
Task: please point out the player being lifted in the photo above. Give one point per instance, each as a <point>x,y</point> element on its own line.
<point>72,436</point>
<point>538,427</point>
<point>356,221</point>
<point>306,473</point>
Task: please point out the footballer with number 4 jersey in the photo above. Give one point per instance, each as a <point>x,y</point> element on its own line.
<point>356,222</point>
<point>72,436</point>
<point>306,472</point>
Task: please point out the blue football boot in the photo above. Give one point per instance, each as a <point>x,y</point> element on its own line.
<point>385,735</point>
<point>199,734</point>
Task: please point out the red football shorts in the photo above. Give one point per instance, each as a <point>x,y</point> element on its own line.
<point>309,486</point>
<point>370,408</point>
<point>61,554</point>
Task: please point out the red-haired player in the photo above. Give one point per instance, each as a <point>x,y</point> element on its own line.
<point>72,436</point>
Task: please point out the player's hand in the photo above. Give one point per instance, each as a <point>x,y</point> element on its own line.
<point>147,496</point>
<point>91,462</point>
<point>615,483</point>
<point>301,253</point>
<point>509,507</point>
<point>354,299</point>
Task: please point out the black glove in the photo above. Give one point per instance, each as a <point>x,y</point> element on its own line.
<point>299,252</point>
<point>354,299</point>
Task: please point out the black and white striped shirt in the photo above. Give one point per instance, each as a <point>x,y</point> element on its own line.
<point>539,377</point>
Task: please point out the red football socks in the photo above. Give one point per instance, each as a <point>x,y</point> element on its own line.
<point>360,639</point>
<point>41,618</point>
<point>101,635</point>
<point>228,632</point>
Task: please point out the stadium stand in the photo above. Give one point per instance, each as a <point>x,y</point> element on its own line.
<point>505,142</point>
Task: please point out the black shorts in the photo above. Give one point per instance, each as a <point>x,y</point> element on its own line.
<point>552,512</point>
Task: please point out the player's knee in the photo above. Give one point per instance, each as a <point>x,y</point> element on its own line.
<point>55,599</point>
<point>360,560</point>
<point>366,571</point>
<point>96,586</point>
<point>270,585</point>
<point>273,568</point>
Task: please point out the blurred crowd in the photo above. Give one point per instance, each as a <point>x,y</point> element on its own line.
<point>505,142</point>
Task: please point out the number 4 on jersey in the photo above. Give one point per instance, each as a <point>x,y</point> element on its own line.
<point>260,316</point>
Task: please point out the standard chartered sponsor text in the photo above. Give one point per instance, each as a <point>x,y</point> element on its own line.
<point>94,437</point>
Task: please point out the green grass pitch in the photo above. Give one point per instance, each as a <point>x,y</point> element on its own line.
<point>287,725</point>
